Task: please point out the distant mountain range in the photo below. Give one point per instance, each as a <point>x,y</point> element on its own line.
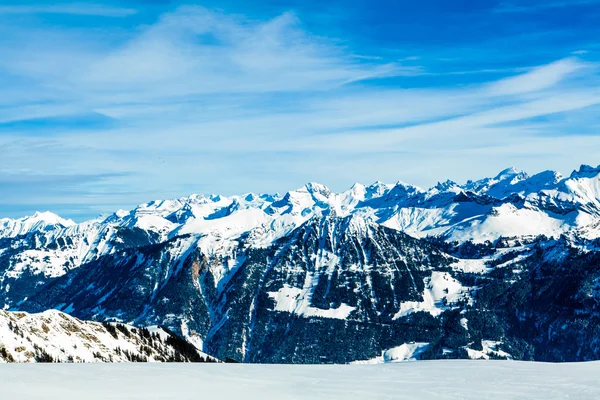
<point>502,267</point>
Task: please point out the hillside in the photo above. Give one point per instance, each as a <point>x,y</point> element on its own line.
<point>53,336</point>
<point>502,267</point>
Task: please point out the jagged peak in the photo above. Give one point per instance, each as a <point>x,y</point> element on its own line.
<point>507,172</point>
<point>402,190</point>
<point>446,185</point>
<point>377,188</point>
<point>378,184</point>
<point>39,221</point>
<point>48,218</point>
<point>357,191</point>
<point>351,223</point>
<point>249,197</point>
<point>197,199</point>
<point>121,213</point>
<point>499,184</point>
<point>316,188</point>
<point>586,171</point>
<point>549,173</point>
<point>510,173</point>
<point>548,176</point>
<point>357,187</point>
<point>402,184</point>
<point>215,197</point>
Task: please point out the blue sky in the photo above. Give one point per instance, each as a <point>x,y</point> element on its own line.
<point>109,104</point>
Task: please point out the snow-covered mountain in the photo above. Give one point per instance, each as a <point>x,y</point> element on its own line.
<point>546,203</point>
<point>512,204</point>
<point>268,278</point>
<point>53,336</point>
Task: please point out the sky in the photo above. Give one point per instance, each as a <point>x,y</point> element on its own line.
<point>106,105</point>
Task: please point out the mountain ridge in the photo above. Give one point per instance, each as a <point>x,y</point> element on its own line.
<point>509,182</point>
<point>268,278</point>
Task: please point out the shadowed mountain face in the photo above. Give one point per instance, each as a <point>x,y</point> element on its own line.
<point>318,277</point>
<point>340,290</point>
<point>329,272</point>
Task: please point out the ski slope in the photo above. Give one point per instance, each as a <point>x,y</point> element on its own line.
<point>414,380</point>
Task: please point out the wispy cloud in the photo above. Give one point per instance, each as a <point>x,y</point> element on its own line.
<point>202,100</point>
<point>538,79</point>
<point>219,53</point>
<point>27,190</point>
<point>89,9</point>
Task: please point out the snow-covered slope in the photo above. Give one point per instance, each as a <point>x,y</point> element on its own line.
<point>53,336</point>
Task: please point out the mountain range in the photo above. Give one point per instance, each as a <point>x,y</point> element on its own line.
<point>502,267</point>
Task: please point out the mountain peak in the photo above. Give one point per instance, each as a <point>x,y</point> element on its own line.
<point>358,189</point>
<point>446,185</point>
<point>378,187</point>
<point>48,218</point>
<point>509,173</point>
<point>39,221</point>
<point>586,171</point>
<point>314,187</point>
<point>406,185</point>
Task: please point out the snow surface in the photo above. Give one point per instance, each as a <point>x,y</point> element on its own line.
<point>474,266</point>
<point>297,301</point>
<point>490,348</point>
<point>509,221</point>
<point>491,380</point>
<point>404,352</point>
<point>441,291</point>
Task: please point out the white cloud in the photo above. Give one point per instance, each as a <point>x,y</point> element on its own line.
<point>197,51</point>
<point>539,78</point>
<point>235,105</point>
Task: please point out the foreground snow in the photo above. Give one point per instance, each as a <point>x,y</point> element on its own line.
<point>418,380</point>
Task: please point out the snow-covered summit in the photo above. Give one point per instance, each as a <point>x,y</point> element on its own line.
<point>586,171</point>
<point>39,221</point>
<point>512,203</point>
